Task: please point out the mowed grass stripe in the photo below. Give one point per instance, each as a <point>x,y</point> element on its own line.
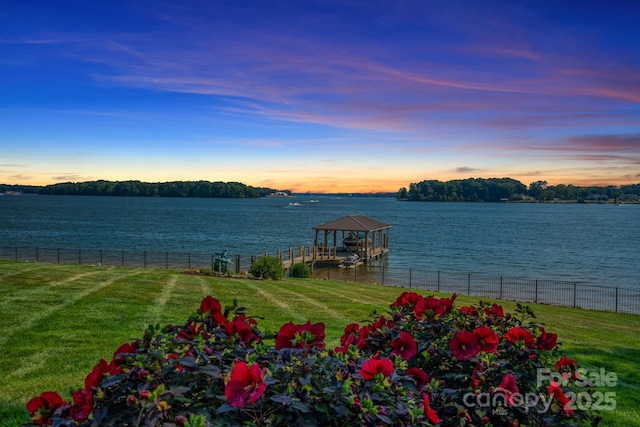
<point>359,293</point>
<point>10,270</point>
<point>47,310</point>
<point>26,293</point>
<point>155,310</point>
<point>271,298</point>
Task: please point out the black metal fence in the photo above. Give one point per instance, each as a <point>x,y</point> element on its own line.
<point>551,292</point>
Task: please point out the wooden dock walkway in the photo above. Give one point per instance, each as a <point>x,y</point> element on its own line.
<point>318,254</point>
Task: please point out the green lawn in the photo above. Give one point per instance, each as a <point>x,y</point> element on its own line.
<point>57,321</point>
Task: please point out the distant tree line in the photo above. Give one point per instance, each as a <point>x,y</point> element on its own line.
<point>498,189</point>
<point>204,189</point>
<point>18,188</point>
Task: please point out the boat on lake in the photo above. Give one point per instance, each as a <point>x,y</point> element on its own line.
<point>279,194</point>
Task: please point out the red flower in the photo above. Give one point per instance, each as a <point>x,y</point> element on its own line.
<point>42,407</point>
<point>566,364</point>
<point>509,387</point>
<point>120,355</point>
<point>407,300</point>
<point>431,414</point>
<point>470,310</point>
<point>240,330</point>
<point>211,307</point>
<point>192,330</point>
<point>363,336</point>
<point>495,310</point>
<point>464,345</point>
<point>97,374</point>
<point>373,367</point>
<point>245,385</point>
<point>433,307</point>
<point>563,401</point>
<point>82,405</point>
<point>300,336</point>
<point>547,341</point>
<point>514,335</point>
<point>405,346</point>
<point>487,339</point>
<point>420,376</point>
<point>476,375</point>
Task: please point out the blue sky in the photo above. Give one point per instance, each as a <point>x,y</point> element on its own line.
<point>323,95</point>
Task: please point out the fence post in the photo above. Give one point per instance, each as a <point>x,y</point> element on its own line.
<point>616,299</point>
<point>500,287</point>
<point>575,289</point>
<point>237,264</point>
<point>410,287</point>
<point>383,274</point>
<point>438,280</point>
<point>189,268</point>
<point>536,300</point>
<point>469,284</point>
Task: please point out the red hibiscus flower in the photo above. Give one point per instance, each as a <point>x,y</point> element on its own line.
<point>419,376</point>
<point>363,337</point>
<point>300,336</point>
<point>245,385</point>
<point>407,300</point>
<point>405,346</point>
<point>211,307</point>
<point>514,335</point>
<point>494,310</point>
<point>487,339</point>
<point>191,331</point>
<point>42,407</point>
<point>97,374</point>
<point>373,367</point>
<point>432,307</point>
<point>563,401</point>
<point>464,345</point>
<point>509,387</point>
<point>126,349</point>
<point>431,414</point>
<point>82,405</point>
<point>240,330</point>
<point>547,341</point>
<point>477,375</point>
<point>566,364</point>
<point>470,310</point>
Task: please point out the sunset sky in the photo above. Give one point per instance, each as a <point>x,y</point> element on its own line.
<point>321,96</point>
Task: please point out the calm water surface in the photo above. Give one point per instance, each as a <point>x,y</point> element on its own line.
<point>596,244</point>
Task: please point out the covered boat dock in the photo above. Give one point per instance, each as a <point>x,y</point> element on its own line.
<point>351,235</point>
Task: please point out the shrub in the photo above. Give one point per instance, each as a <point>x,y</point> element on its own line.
<point>266,267</point>
<point>424,363</point>
<point>301,270</point>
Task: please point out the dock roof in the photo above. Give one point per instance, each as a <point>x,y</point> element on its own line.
<point>354,223</point>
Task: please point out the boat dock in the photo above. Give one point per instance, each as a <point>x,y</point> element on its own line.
<point>347,242</point>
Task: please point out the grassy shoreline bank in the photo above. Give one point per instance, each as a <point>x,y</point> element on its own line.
<point>57,321</point>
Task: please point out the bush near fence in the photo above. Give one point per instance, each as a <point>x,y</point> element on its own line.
<point>551,292</point>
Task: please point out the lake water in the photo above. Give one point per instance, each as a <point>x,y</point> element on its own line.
<point>595,244</point>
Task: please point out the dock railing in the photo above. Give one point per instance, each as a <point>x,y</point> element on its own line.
<point>552,292</point>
